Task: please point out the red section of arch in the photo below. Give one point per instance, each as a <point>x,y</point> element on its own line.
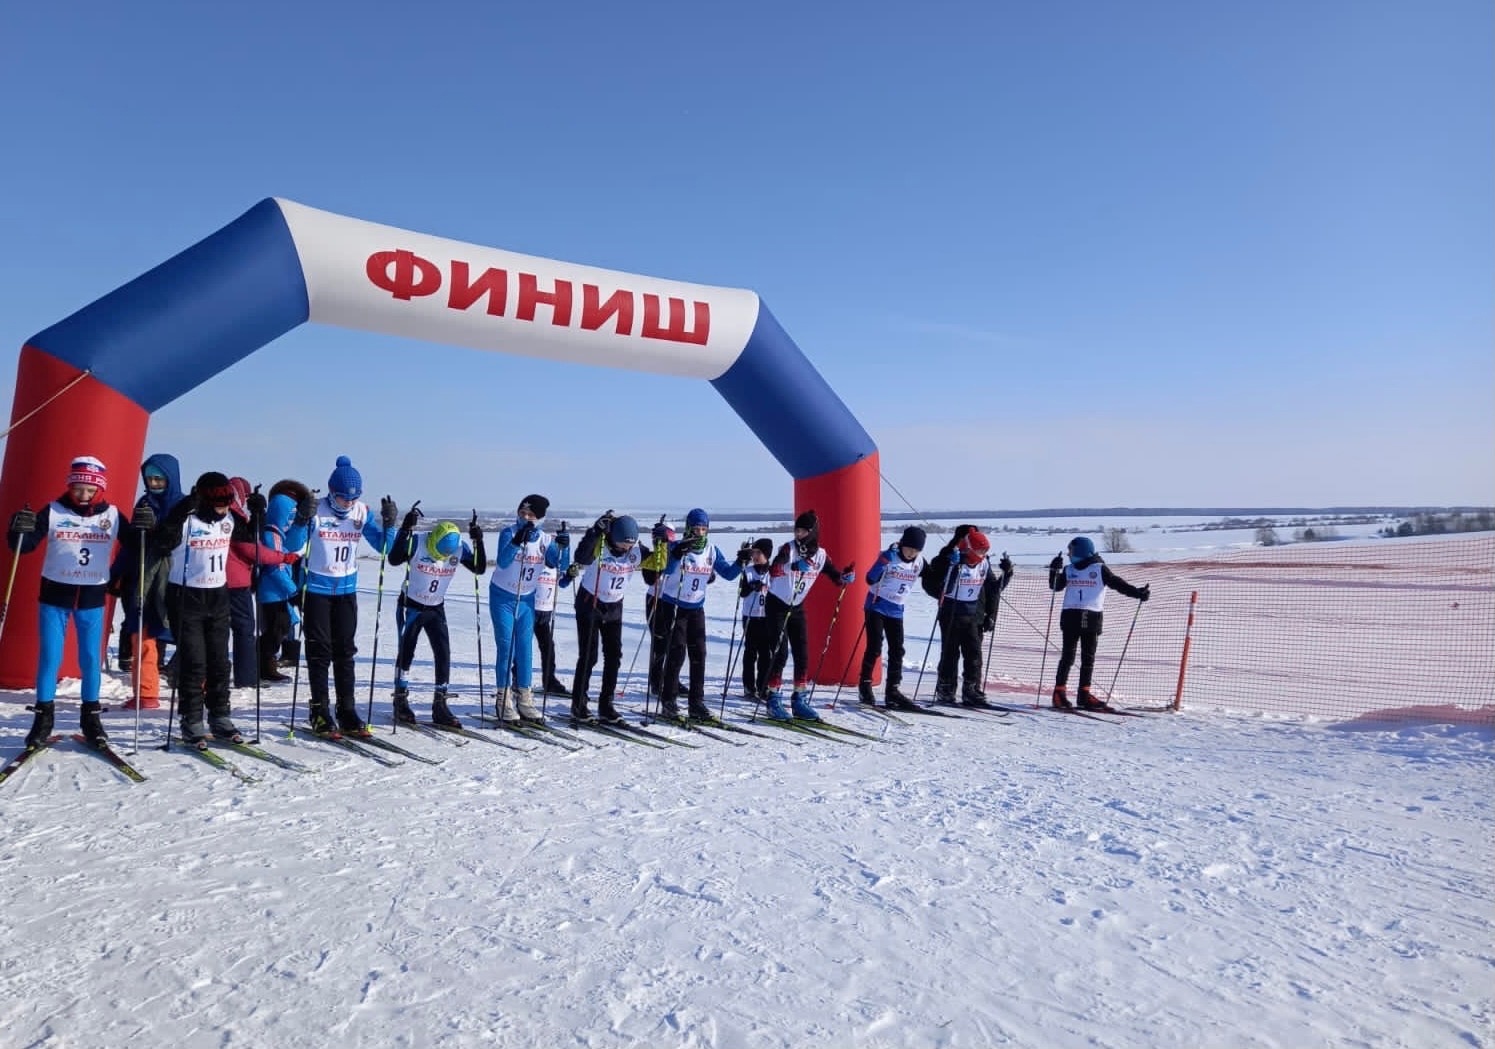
<point>848,502</point>
<point>89,419</point>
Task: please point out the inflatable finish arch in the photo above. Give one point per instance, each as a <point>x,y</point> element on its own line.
<point>281,263</point>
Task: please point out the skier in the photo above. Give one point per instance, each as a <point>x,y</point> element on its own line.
<point>198,534</point>
<point>891,578</point>
<point>433,558</point>
<point>144,597</point>
<point>757,645</point>
<point>79,528</point>
<point>523,548</point>
<point>284,530</point>
<point>609,554</point>
<point>967,610</point>
<point>1084,583</point>
<point>161,477</point>
<point>330,612</point>
<point>693,562</point>
<point>795,569</point>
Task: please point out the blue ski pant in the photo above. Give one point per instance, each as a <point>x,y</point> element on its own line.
<point>513,636</point>
<point>52,623</point>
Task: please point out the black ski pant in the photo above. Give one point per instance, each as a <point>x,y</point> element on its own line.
<point>878,627</point>
<point>599,625</point>
<point>661,615</point>
<point>200,624</point>
<point>275,627</point>
<point>687,640</point>
<point>960,642</point>
<point>757,655</point>
<point>417,619</point>
<point>786,628</point>
<point>1080,629</point>
<point>545,638</point>
<point>330,626</point>
<point>241,624</point>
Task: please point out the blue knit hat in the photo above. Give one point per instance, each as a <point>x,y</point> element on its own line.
<point>698,518</point>
<point>345,481</point>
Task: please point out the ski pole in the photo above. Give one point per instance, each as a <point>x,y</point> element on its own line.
<point>140,638</point>
<point>301,652</point>
<point>254,589</point>
<point>847,669</point>
<point>1124,645</point>
<point>829,632</point>
<point>1043,663</point>
<point>938,609</point>
<point>176,680</point>
<point>648,619</point>
<point>732,642</point>
<point>378,610</point>
<point>10,582</point>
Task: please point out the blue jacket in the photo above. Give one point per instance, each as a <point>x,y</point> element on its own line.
<point>282,533</point>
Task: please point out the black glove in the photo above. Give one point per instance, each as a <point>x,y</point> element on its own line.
<point>756,585</point>
<point>307,509</point>
<point>1005,565</point>
<point>256,504</point>
<point>523,533</point>
<point>745,554</point>
<point>988,624</point>
<point>604,523</point>
<point>144,517</point>
<point>412,518</point>
<point>24,521</point>
<point>575,570</point>
<point>474,530</point>
<point>688,546</point>
<point>1144,593</point>
<point>563,537</point>
<point>661,533</point>
<point>1057,564</point>
<point>389,513</point>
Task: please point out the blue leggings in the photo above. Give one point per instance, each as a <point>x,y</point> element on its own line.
<point>513,632</point>
<point>52,625</point>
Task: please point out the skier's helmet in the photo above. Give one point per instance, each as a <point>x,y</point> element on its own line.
<point>445,540</point>
<point>1081,548</point>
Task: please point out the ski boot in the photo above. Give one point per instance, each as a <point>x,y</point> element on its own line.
<point>556,687</point>
<point>972,696</point>
<point>865,693</point>
<point>41,726</point>
<point>269,673</point>
<point>1088,701</point>
<point>944,693</point>
<point>348,721</point>
<point>90,723</point>
<point>195,732</point>
<point>440,714</point>
<point>893,699</point>
<point>504,703</point>
<point>607,713</point>
<point>403,712</point>
<point>580,711</point>
<point>319,719</point>
<point>697,710</point>
<point>524,703</point>
<point>290,653</point>
<point>776,709</point>
<point>222,726</point>
<point>1061,699</point>
<point>668,711</point>
<point>799,705</point>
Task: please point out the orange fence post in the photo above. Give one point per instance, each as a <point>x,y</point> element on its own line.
<point>1183,659</point>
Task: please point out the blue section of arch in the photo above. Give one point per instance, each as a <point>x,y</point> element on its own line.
<point>789,406</point>
<point>191,317</point>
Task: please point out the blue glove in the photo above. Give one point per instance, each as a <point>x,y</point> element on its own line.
<point>563,539</point>
<point>847,578</point>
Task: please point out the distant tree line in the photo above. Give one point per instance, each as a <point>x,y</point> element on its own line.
<point>1443,524</point>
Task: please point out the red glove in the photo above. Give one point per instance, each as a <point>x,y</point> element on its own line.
<point>290,558</point>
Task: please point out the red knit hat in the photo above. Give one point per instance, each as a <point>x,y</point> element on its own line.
<point>974,547</point>
<point>87,470</point>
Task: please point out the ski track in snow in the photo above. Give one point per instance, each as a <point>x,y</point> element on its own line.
<point>1198,879</point>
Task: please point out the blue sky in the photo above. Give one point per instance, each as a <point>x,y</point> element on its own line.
<point>1090,253</point>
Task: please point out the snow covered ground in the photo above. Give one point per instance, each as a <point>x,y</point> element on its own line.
<point>1198,879</point>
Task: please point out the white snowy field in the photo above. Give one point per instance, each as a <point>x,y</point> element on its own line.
<point>1174,880</point>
